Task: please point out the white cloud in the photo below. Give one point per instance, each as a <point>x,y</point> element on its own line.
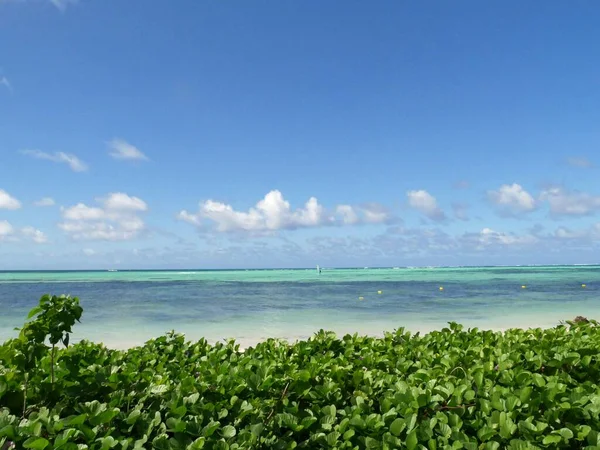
<point>72,161</point>
<point>115,220</point>
<point>6,230</point>
<point>488,237</point>
<point>123,202</point>
<point>11,234</point>
<point>121,149</point>
<point>193,219</point>
<point>426,204</point>
<point>7,201</point>
<point>83,212</point>
<point>567,233</point>
<point>89,251</point>
<point>374,213</point>
<point>36,236</point>
<point>348,214</point>
<point>46,201</point>
<point>587,235</point>
<point>580,162</point>
<point>274,213</point>
<point>4,82</point>
<point>370,213</point>
<point>271,213</point>
<point>570,203</point>
<point>512,199</point>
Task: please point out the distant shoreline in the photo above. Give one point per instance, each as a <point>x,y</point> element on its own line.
<point>324,268</point>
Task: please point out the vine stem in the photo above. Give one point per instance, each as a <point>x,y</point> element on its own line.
<point>283,394</point>
<point>25,395</point>
<point>52,366</point>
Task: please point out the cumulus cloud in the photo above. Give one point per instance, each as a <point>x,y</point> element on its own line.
<point>71,160</point>
<point>372,213</point>
<point>46,201</point>
<point>580,162</point>
<point>6,230</point>
<point>123,150</point>
<point>564,202</point>
<point>512,199</point>
<point>348,214</point>
<point>587,235</point>
<point>115,219</point>
<point>274,213</point>
<point>7,201</point>
<point>122,202</point>
<point>8,233</point>
<point>35,235</point>
<point>271,213</point>
<point>426,204</point>
<point>487,237</point>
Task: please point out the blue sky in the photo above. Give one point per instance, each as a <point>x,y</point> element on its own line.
<point>205,134</point>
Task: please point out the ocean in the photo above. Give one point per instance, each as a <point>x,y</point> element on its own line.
<point>126,308</point>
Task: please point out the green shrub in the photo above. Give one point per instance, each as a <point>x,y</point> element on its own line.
<point>450,389</point>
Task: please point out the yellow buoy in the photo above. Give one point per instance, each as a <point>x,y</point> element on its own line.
<point>583,285</point>
<point>441,288</point>
<point>380,292</point>
<point>523,287</point>
<point>361,298</point>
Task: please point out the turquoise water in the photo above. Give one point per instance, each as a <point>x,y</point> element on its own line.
<point>126,308</point>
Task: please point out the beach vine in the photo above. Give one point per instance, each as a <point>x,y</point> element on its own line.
<point>452,388</point>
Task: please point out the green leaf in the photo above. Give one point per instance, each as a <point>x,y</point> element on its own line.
<point>397,427</point>
<point>411,421</point>
<point>159,389</point>
<point>104,417</point>
<point>228,432</point>
<point>552,439</point>
<point>197,444</point>
<point>332,438</point>
<point>485,433</point>
<point>566,433</point>
<point>371,443</point>
<point>444,430</point>
<point>330,410</point>
<point>37,443</point>
<point>133,416</point>
<point>304,375</point>
<point>538,380</point>
<point>107,442</point>
<point>64,437</point>
<point>492,445</point>
<point>348,434</point>
<point>209,429</point>
<point>412,440</point>
<point>256,429</point>
<point>34,311</point>
<point>507,426</point>
<point>192,399</point>
<point>583,431</point>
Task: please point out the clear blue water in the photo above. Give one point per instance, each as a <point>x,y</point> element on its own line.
<point>126,308</point>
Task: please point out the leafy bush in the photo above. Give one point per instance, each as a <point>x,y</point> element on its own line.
<point>450,389</point>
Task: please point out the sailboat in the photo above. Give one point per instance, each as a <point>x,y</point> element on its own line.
<point>318,270</point>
